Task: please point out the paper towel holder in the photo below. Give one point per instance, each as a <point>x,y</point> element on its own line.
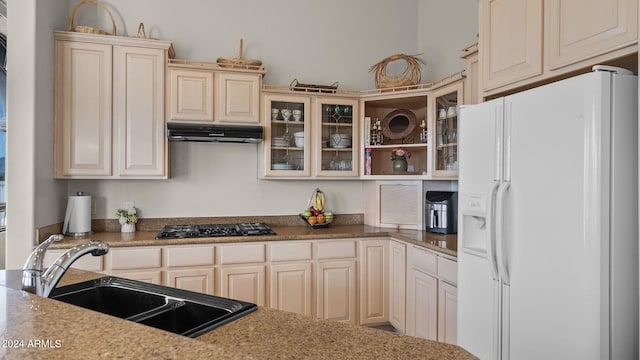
<point>77,218</point>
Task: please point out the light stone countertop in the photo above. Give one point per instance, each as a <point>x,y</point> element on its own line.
<point>39,328</point>
<point>446,244</point>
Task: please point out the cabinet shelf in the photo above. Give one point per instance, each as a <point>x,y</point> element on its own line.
<point>337,124</point>
<point>287,148</point>
<point>289,122</point>
<point>336,149</point>
<point>447,145</point>
<point>391,146</point>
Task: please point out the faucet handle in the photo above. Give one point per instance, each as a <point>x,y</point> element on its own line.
<point>35,260</point>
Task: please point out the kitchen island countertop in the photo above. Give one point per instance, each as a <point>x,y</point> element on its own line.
<point>39,328</point>
<point>446,244</point>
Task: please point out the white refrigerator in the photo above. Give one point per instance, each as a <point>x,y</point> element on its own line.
<point>548,221</point>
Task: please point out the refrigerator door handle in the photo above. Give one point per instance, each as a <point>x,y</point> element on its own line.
<point>490,219</point>
<point>501,256</point>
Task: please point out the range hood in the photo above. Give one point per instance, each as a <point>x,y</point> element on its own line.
<point>214,133</point>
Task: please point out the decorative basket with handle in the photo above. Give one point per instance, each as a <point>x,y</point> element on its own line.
<point>89,29</point>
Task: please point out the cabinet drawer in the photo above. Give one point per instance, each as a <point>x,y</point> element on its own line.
<point>335,249</point>
<point>87,262</point>
<point>190,256</point>
<point>134,258</point>
<point>290,251</point>
<point>448,270</point>
<point>424,260</point>
<point>241,254</point>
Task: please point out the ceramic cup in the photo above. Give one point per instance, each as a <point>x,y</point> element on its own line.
<point>442,114</point>
<point>286,114</point>
<point>451,111</point>
<point>275,113</point>
<point>297,115</point>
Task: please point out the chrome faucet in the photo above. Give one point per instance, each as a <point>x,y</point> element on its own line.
<point>33,279</point>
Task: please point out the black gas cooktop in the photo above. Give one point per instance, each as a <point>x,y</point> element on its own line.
<point>214,230</point>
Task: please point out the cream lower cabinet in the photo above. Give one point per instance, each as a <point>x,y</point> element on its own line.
<point>190,268</point>
<point>374,282</point>
<point>335,280</point>
<point>290,279</point>
<point>241,272</point>
<point>397,284</point>
<point>422,293</point>
<point>447,313</point>
<point>136,263</point>
<point>109,107</point>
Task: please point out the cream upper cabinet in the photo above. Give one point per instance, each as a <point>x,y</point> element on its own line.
<point>202,92</point>
<point>309,136</point>
<point>83,112</point>
<point>527,42</point>
<point>238,98</point>
<point>510,41</point>
<point>582,29</point>
<point>109,107</point>
<point>190,94</point>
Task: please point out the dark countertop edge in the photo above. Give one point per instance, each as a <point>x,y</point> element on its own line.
<point>444,244</point>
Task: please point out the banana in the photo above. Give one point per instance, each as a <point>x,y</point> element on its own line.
<point>318,200</point>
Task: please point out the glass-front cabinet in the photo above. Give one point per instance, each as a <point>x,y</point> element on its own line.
<point>309,136</point>
<point>444,115</point>
<point>286,145</point>
<point>336,137</point>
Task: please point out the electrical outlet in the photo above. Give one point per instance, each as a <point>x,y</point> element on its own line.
<point>129,204</point>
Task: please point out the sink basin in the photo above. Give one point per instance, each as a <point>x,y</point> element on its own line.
<point>178,311</point>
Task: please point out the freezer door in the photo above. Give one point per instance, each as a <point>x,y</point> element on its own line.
<point>478,287</point>
<point>556,249</point>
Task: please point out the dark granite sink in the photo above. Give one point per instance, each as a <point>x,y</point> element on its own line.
<point>178,311</point>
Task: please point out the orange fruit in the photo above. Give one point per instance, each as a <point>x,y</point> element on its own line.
<point>312,220</point>
<point>321,219</point>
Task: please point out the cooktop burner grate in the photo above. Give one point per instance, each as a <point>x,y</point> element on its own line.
<point>214,230</point>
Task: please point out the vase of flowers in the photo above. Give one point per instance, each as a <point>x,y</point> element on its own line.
<point>399,157</point>
<point>127,219</point>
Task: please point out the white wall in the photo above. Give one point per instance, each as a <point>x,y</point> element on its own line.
<point>444,29</point>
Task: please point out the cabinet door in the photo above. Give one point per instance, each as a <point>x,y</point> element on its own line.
<point>577,30</point>
<point>198,280</point>
<point>139,112</point>
<point>444,119</point>
<point>397,285</point>
<point>287,141</point>
<point>83,113</point>
<point>238,98</point>
<point>335,137</point>
<point>510,41</point>
<point>422,305</point>
<point>336,290</point>
<point>374,269</point>
<point>290,287</point>
<point>190,95</point>
<point>447,313</point>
<point>245,283</point>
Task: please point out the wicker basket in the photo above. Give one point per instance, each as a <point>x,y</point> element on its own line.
<point>238,62</point>
<point>89,29</point>
<point>410,76</point>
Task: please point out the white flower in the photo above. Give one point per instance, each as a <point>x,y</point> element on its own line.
<point>122,220</point>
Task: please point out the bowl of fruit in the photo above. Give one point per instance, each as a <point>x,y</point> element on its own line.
<point>315,215</point>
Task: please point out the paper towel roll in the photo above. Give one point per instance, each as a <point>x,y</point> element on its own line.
<point>77,219</point>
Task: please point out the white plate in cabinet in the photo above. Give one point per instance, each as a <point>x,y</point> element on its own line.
<point>191,94</point>
<point>134,258</point>
<point>240,254</point>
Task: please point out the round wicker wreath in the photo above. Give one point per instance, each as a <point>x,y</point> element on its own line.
<point>410,76</point>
